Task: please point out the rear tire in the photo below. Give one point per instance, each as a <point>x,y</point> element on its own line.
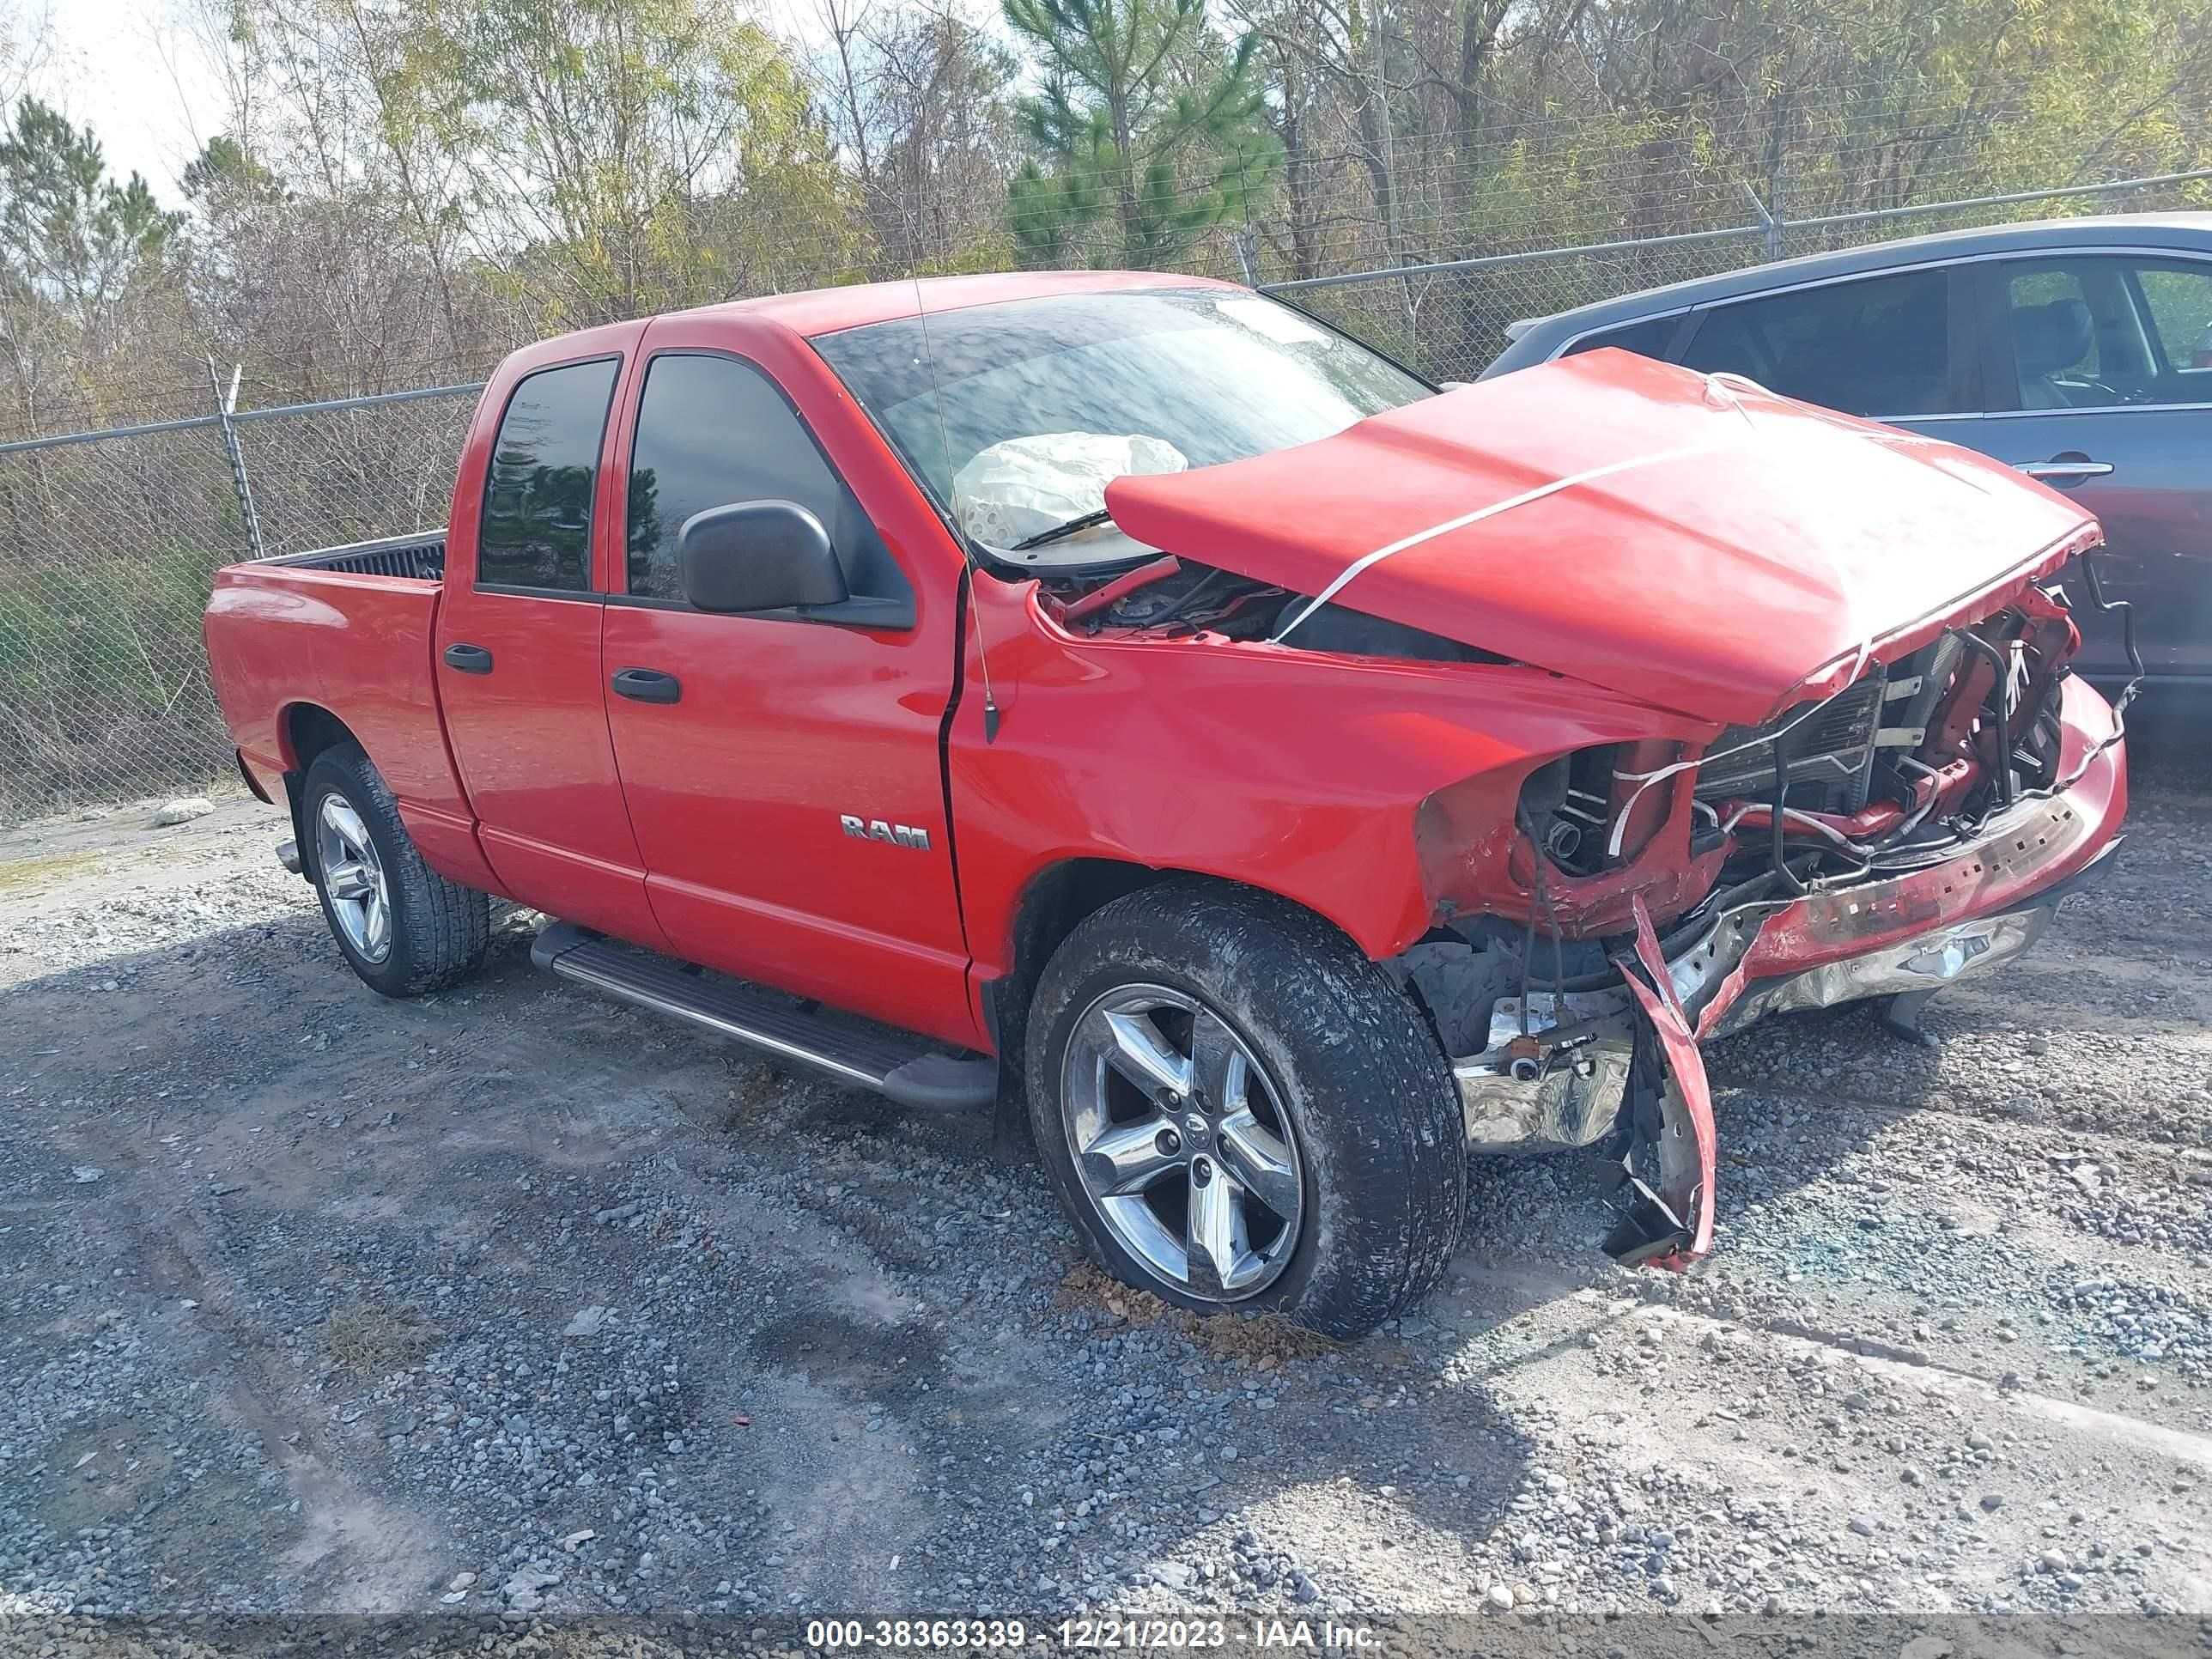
<point>1240,1112</point>
<point>402,926</point>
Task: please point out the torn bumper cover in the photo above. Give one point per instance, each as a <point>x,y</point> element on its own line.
<point>1587,1057</point>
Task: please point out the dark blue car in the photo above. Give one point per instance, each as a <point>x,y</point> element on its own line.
<point>2079,350</point>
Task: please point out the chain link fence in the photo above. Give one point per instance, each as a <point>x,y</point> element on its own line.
<point>108,540</point>
<point>108,543</point>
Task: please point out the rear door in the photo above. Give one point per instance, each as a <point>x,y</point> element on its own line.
<point>783,772</point>
<point>2098,368</point>
<point>518,647</point>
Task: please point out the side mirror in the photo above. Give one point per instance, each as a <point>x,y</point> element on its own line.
<point>757,555</point>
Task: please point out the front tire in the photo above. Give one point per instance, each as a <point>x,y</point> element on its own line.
<point>1240,1112</point>
<point>402,927</point>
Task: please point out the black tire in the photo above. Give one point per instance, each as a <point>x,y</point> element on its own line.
<point>440,931</point>
<point>1380,1140</point>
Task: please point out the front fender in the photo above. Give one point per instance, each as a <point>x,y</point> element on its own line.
<point>1301,773</point>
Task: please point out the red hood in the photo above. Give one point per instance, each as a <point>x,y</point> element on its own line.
<point>1708,547</point>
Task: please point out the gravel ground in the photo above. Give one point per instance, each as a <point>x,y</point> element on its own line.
<point>515,1301</point>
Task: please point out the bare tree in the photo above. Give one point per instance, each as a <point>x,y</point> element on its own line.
<point>921,108</point>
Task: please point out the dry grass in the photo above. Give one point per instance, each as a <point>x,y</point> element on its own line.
<point>40,873</point>
<point>375,1341</point>
<point>1264,1339</point>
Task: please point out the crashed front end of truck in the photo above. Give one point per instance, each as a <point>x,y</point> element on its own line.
<point>1933,813</point>
<point>1860,766</point>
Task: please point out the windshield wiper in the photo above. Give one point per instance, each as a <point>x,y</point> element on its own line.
<point>1061,532</point>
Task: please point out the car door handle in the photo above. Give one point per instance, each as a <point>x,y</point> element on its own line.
<point>648,685</point>
<point>469,658</point>
<point>2065,471</point>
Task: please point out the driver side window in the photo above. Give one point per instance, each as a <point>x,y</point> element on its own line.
<point>713,431</point>
<point>2099,332</point>
<point>2053,331</point>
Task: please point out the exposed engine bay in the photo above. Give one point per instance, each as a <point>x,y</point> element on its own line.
<point>1174,598</point>
<point>1827,831</point>
<point>1889,773</point>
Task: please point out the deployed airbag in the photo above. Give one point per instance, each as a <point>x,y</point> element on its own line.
<point>1017,489</point>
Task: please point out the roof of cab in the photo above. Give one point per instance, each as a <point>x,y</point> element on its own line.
<point>827,310</point>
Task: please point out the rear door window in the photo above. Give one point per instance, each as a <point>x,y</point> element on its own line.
<point>1877,346</point>
<point>537,528</point>
<point>2178,297</point>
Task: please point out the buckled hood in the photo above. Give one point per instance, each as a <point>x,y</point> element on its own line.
<point>1691,541</point>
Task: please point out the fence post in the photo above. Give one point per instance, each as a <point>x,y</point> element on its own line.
<point>225,406</point>
<point>1771,226</point>
<point>1245,240</point>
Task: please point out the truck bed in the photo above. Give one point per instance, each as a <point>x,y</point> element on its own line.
<point>421,555</point>
<point>344,632</point>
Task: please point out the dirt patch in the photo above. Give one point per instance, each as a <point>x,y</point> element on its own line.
<point>886,1364</point>
<point>1263,1340</point>
<point>375,1341</point>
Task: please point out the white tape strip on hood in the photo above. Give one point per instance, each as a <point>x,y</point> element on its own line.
<point>1720,391</point>
<point>1573,480</point>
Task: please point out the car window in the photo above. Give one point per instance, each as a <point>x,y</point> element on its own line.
<point>1878,346</point>
<point>537,528</point>
<point>2054,337</point>
<point>712,431</point>
<point>1648,336</point>
<point>2179,299</point>
<point>2102,331</point>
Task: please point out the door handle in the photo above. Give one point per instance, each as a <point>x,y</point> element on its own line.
<point>646,685</point>
<point>2065,471</point>
<point>469,658</point>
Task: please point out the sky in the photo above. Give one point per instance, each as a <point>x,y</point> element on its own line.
<point>125,69</point>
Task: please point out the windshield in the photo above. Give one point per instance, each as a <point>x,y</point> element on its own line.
<point>1045,401</point>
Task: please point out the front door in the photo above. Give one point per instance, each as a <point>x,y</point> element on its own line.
<point>782,771</point>
<point>2099,372</point>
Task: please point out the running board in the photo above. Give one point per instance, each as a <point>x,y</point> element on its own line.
<point>837,1045</point>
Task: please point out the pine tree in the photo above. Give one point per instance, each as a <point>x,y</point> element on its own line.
<point>69,234</point>
<point>1140,122</point>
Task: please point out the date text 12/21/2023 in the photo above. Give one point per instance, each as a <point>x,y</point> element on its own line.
<point>1092,1634</point>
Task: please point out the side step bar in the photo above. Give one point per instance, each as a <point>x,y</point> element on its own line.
<point>851,1050</point>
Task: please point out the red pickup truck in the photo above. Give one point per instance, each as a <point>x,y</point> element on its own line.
<point>1124,700</point>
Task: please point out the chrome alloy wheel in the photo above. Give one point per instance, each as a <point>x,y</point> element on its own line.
<point>353,878</point>
<point>1180,1140</point>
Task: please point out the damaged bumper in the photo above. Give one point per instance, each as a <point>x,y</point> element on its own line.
<point>1565,1074</point>
<point>1915,967</point>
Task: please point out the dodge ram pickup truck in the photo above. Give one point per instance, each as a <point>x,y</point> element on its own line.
<point>1125,704</point>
